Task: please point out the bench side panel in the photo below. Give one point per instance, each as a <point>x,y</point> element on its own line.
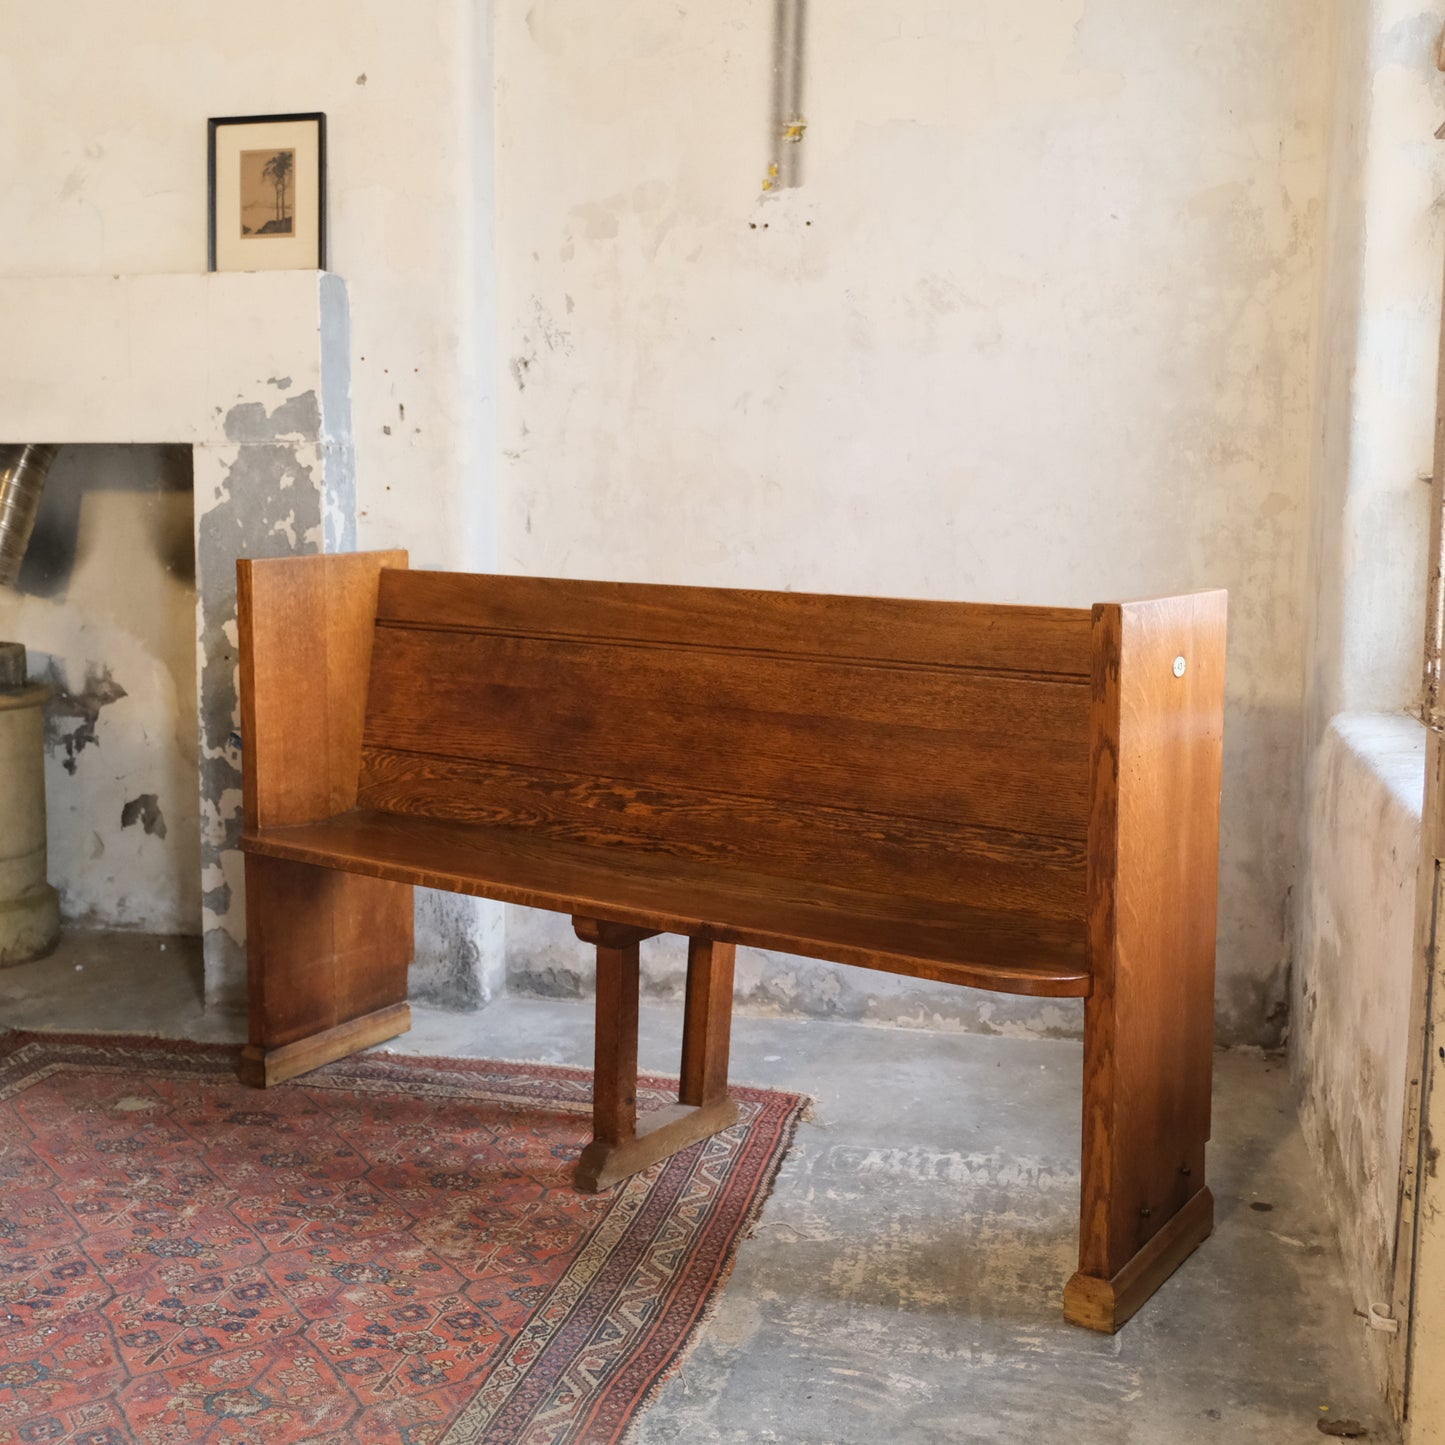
<point>1153,883</point>
<point>327,952</point>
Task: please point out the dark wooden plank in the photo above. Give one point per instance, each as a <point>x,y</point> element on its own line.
<point>1045,640</point>
<point>952,746</point>
<point>1153,879</point>
<point>873,852</point>
<point>1016,952</point>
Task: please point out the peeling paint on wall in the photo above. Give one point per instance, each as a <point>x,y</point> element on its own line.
<point>110,620</point>
<point>263,499</point>
<point>71,717</point>
<point>145,810</point>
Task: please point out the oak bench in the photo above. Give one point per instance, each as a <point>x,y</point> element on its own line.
<point>1022,799</point>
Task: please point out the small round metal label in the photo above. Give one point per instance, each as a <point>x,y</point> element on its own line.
<point>1179,666</point>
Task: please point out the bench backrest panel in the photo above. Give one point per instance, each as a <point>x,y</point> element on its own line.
<point>940,750</point>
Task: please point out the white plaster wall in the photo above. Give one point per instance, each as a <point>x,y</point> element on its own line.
<point>1379,330</point>
<point>103,113</point>
<point>1036,327</point>
<point>107,612</point>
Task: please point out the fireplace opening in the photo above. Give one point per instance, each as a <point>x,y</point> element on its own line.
<point>105,604</point>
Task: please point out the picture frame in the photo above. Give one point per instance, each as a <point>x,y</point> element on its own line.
<point>266,192</point>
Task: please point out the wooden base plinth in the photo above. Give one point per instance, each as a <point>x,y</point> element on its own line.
<point>1104,1304</point>
<point>659,1133</point>
<point>262,1067</point>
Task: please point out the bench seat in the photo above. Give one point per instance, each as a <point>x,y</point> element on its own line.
<point>1021,954</point>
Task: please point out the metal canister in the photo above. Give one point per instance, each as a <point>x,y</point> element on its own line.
<point>23,468</point>
<point>29,906</point>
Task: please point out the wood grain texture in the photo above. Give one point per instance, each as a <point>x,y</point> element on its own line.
<point>1105,1304</point>
<point>946,745</point>
<point>1037,640</point>
<point>660,1133</point>
<point>1018,953</point>
<point>611,935</point>
<point>1021,799</point>
<point>624,1143</point>
<point>261,1067</point>
<point>614,1079</point>
<point>995,869</point>
<point>1153,880</point>
<point>306,629</point>
<point>707,1021</point>
<point>324,948</point>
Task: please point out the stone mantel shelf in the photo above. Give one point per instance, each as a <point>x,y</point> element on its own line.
<point>166,357</point>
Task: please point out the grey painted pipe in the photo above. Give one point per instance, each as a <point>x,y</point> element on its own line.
<point>23,467</point>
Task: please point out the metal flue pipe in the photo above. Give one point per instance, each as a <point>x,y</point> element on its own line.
<point>23,467</point>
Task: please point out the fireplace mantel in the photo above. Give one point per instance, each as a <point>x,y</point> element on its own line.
<point>252,371</point>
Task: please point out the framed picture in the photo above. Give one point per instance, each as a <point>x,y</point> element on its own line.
<point>267,183</point>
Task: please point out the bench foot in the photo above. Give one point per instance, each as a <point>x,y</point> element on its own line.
<point>624,1144</point>
<point>661,1133</point>
<point>262,1067</point>
<point>1104,1304</point>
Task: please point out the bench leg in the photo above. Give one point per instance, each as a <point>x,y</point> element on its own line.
<point>327,957</point>
<point>1144,1204</point>
<point>622,1144</point>
<point>707,1022</point>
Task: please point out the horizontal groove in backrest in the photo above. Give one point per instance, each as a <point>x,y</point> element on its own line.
<point>1043,641</point>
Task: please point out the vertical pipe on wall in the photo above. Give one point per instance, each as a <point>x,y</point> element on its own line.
<point>785,120</point>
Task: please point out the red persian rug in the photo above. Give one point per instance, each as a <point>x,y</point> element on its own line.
<point>389,1249</point>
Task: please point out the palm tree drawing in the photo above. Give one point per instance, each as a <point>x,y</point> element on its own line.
<point>278,171</point>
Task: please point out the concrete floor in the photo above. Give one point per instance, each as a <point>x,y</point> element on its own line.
<point>904,1283</point>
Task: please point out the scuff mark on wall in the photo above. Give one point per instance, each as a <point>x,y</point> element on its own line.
<point>71,717</point>
<point>145,810</point>
<point>455,940</point>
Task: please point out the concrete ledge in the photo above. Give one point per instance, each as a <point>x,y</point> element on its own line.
<point>1388,749</point>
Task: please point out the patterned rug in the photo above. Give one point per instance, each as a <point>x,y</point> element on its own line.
<point>389,1249</point>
